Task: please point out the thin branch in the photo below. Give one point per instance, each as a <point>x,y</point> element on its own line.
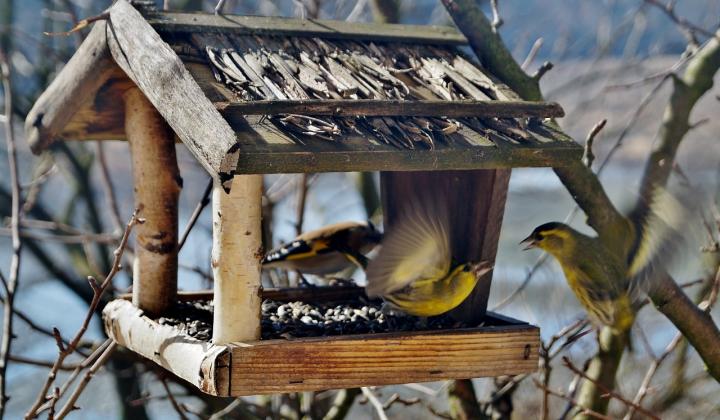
<point>375,403</point>
<point>544,68</point>
<point>70,404</point>
<point>497,21</point>
<point>105,181</point>
<point>98,291</point>
<point>588,156</point>
<point>532,54</point>
<point>609,392</point>
<point>690,28</point>
<point>101,238</point>
<point>573,402</point>
<point>204,201</point>
<point>645,385</point>
<point>34,362</point>
<point>178,409</point>
<point>13,278</point>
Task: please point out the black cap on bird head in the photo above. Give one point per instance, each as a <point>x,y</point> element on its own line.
<point>373,234</point>
<point>537,235</point>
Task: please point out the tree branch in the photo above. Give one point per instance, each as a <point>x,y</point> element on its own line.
<point>13,278</point>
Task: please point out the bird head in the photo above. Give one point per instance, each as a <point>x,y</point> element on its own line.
<point>477,269</point>
<point>551,237</point>
<point>372,233</point>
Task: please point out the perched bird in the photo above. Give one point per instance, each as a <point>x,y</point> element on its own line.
<point>414,271</point>
<point>608,284</point>
<point>327,250</point>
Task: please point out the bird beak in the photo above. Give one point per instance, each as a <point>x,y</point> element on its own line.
<point>529,243</point>
<point>482,268</point>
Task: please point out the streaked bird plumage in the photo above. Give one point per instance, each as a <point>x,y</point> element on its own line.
<point>414,271</point>
<point>327,250</point>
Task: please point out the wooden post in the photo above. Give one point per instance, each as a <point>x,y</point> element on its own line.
<point>236,254</point>
<point>157,185</point>
<point>477,203</point>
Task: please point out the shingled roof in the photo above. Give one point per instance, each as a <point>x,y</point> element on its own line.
<point>267,95</point>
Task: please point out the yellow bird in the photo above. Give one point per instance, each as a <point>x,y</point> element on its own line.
<point>607,284</point>
<point>414,271</point>
<point>327,250</point>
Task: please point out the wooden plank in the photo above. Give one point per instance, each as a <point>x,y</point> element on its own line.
<point>103,116</point>
<point>163,78</point>
<point>469,195</point>
<point>317,363</point>
<point>190,359</point>
<point>472,309</point>
<point>391,108</point>
<point>74,87</point>
<point>313,364</point>
<point>331,29</point>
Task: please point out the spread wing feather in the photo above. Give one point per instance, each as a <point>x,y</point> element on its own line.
<point>668,224</point>
<point>417,247</point>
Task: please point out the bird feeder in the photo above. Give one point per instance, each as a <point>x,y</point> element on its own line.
<point>261,95</point>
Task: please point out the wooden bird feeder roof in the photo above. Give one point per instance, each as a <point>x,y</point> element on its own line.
<point>255,95</point>
<point>269,95</point>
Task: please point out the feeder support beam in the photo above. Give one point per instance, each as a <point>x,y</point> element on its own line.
<point>157,184</point>
<point>236,254</point>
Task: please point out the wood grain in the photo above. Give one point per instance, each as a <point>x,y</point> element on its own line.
<point>312,364</point>
<point>74,88</point>
<point>390,108</point>
<point>163,78</point>
<point>331,29</point>
<point>476,220</point>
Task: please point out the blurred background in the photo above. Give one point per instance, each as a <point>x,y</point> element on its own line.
<point>607,56</point>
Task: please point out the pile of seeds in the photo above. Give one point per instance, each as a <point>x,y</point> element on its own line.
<point>300,319</point>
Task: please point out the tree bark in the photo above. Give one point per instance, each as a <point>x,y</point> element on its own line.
<point>157,183</point>
<point>236,254</point>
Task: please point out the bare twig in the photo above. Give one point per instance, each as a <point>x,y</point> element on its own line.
<point>497,21</point>
<point>609,392</point>
<point>690,28</point>
<point>98,291</point>
<point>375,403</point>
<point>12,282</point>
<point>178,409</point>
<point>395,398</point>
<point>70,404</point>
<point>357,10</point>
<point>204,201</point>
<point>84,364</point>
<point>588,156</point>
<point>532,54</point>
<point>572,401</point>
<point>42,363</point>
<point>105,181</point>
<point>65,239</point>
<point>544,68</point>
<point>302,198</point>
<point>644,386</point>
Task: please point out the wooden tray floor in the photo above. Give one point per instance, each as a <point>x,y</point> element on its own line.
<point>502,346</point>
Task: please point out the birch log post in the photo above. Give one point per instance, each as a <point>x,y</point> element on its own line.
<point>157,184</point>
<point>236,254</point>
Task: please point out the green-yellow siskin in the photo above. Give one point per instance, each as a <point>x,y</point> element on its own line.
<point>414,271</point>
<point>608,285</point>
<point>327,250</point>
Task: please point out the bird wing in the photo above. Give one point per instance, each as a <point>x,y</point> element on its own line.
<point>665,225</point>
<point>418,247</point>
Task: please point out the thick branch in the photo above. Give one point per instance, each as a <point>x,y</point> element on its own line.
<point>578,179</point>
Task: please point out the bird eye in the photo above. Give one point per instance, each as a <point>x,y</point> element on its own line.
<point>466,268</point>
